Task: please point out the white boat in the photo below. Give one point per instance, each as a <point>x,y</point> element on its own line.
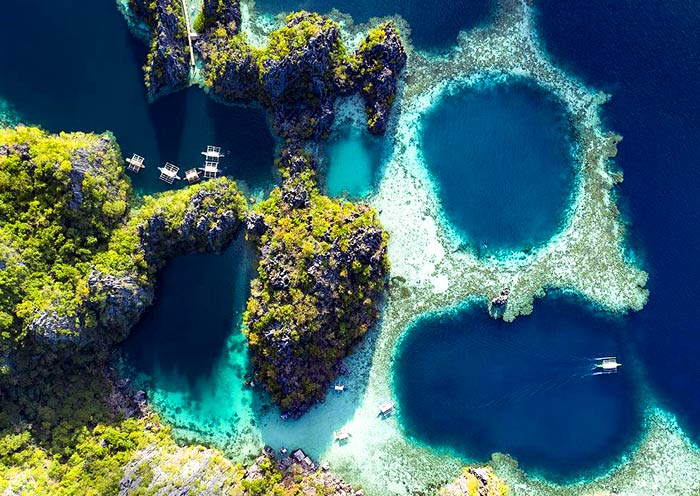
<point>213,152</point>
<point>606,365</point>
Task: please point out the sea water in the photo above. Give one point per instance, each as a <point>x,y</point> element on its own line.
<point>434,26</point>
<point>74,66</point>
<point>501,158</point>
<point>353,158</point>
<point>644,54</point>
<point>187,351</point>
<point>474,385</point>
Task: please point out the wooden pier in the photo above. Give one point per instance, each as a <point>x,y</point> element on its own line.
<point>190,33</point>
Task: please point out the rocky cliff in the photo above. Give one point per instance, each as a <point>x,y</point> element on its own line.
<point>321,276</point>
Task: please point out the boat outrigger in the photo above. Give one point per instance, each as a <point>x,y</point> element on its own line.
<point>606,365</point>
<point>213,153</point>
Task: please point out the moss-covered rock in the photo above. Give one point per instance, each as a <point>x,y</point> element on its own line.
<point>302,71</point>
<point>321,275</point>
<point>380,60</point>
<point>476,481</point>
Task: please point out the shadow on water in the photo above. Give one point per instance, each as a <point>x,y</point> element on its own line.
<point>473,385</point>
<point>78,68</point>
<point>315,430</point>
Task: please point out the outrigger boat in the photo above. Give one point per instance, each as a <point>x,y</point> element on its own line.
<point>606,365</point>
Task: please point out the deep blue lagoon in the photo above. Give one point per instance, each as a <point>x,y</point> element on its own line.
<point>501,158</point>
<point>645,55</point>
<point>474,385</point>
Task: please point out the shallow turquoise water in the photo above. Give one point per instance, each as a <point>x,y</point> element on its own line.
<point>475,385</point>
<point>501,158</point>
<point>354,158</point>
<point>187,351</point>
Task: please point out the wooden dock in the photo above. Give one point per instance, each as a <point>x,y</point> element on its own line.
<point>189,31</point>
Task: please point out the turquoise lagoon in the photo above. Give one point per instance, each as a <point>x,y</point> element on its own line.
<point>353,159</point>
<point>188,353</point>
<point>501,158</point>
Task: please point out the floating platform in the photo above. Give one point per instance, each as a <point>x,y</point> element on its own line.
<point>135,163</point>
<point>211,169</point>
<point>168,173</point>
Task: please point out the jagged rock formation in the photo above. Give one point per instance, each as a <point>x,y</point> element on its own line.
<point>167,66</point>
<point>321,275</point>
<point>302,71</point>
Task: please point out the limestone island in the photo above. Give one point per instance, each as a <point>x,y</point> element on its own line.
<point>80,254</point>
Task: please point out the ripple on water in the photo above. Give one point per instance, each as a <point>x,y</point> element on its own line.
<point>187,351</point>
<point>475,385</point>
<point>501,157</point>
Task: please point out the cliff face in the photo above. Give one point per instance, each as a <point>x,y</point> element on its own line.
<point>321,276</point>
<point>302,71</point>
<point>168,63</point>
<point>381,58</point>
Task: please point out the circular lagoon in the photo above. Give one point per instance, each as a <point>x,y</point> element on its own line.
<point>187,351</point>
<point>501,158</point>
<point>474,386</point>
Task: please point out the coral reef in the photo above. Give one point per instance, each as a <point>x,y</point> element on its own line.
<point>476,481</point>
<point>321,275</point>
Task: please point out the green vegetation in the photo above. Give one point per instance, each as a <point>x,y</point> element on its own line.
<point>60,198</point>
<point>476,482</point>
<point>301,71</point>
<point>167,64</point>
<point>65,230</point>
<point>321,274</point>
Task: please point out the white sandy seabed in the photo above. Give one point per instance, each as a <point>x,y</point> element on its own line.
<point>432,271</point>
